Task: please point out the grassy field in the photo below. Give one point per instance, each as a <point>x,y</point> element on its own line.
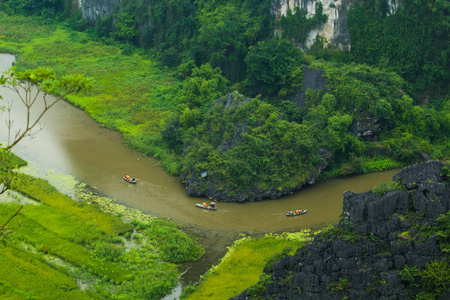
<point>243,265</point>
<point>60,241</point>
<point>132,93</point>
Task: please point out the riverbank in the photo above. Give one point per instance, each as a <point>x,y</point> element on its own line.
<point>134,94</point>
<point>243,264</point>
<point>79,251</point>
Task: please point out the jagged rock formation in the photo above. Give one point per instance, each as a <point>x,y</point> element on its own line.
<point>335,31</point>
<point>378,238</point>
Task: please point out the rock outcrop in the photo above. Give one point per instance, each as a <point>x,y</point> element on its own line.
<point>220,192</point>
<point>369,254</point>
<point>213,187</point>
<point>93,9</point>
<point>313,79</point>
<point>335,31</point>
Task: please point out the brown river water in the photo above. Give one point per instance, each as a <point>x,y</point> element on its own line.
<point>70,142</point>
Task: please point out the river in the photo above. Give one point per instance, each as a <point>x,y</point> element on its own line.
<point>70,142</point>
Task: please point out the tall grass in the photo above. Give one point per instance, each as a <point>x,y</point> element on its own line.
<point>41,190</point>
<point>24,276</point>
<point>89,245</point>
<point>243,265</point>
<point>132,93</point>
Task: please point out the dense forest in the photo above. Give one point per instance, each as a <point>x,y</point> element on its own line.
<point>384,105</point>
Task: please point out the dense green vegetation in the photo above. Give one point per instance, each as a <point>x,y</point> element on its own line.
<point>270,151</point>
<point>166,112</point>
<point>412,42</point>
<point>61,241</point>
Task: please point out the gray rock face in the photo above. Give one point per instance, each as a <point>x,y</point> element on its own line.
<point>412,175</point>
<point>335,31</point>
<point>362,257</point>
<point>367,127</point>
<point>91,9</point>
<point>313,79</point>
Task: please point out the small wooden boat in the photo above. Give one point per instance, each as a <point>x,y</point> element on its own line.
<point>208,207</point>
<point>293,214</point>
<point>131,180</point>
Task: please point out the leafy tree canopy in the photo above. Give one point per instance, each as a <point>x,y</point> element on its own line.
<point>275,67</point>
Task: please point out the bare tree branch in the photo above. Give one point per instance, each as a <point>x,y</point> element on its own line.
<point>30,87</point>
<point>4,231</point>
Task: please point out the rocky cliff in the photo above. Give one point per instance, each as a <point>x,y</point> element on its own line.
<point>390,246</point>
<point>335,31</point>
<point>91,9</point>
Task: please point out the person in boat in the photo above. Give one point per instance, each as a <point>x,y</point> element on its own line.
<point>300,211</point>
<point>204,204</point>
<point>213,204</point>
<point>290,212</point>
<point>127,177</point>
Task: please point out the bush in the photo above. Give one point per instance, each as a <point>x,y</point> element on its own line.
<point>436,277</point>
<point>259,288</point>
<point>107,251</point>
<point>274,65</point>
<point>409,274</point>
<point>276,257</point>
<point>386,187</point>
<point>443,232</point>
<point>406,150</point>
<point>176,245</point>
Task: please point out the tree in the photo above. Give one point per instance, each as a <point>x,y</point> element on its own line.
<point>296,26</point>
<point>274,66</point>
<point>125,28</point>
<point>5,230</point>
<point>32,87</point>
<point>204,85</point>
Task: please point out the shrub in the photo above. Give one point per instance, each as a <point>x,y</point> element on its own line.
<point>260,287</point>
<point>274,66</point>
<point>386,187</point>
<point>276,257</point>
<point>436,277</point>
<point>176,245</point>
<point>406,150</point>
<point>107,251</point>
<point>409,274</point>
<point>443,232</point>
